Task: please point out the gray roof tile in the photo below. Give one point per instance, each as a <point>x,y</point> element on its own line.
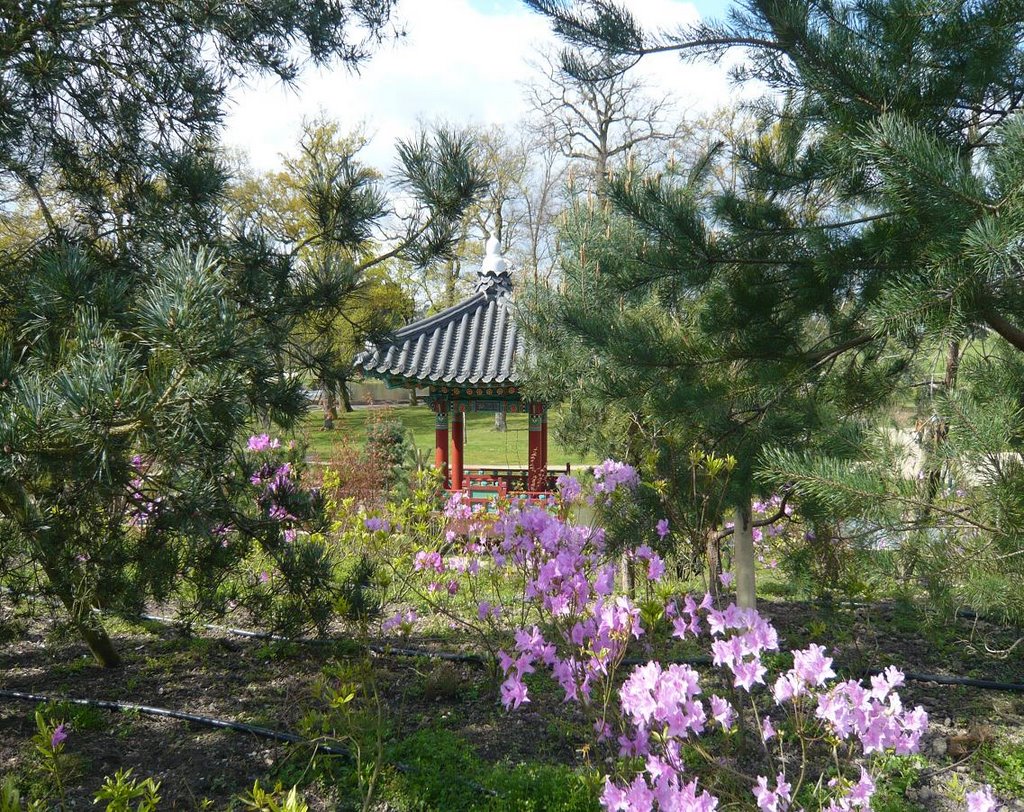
<point>475,341</point>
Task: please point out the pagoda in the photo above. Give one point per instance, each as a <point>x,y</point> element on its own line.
<point>467,355</point>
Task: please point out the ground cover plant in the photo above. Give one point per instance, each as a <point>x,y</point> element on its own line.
<point>610,703</point>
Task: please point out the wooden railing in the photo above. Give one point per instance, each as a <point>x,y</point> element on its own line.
<point>487,484</point>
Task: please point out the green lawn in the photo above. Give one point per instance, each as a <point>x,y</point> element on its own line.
<point>484,445</point>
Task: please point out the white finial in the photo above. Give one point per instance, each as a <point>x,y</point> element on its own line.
<point>493,260</point>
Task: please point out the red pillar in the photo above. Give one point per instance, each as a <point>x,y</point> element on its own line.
<point>544,446</point>
<point>441,438</point>
<point>458,438</point>
<point>534,476</point>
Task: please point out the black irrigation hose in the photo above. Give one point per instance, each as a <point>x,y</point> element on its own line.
<point>326,641</point>
<point>699,660</point>
<point>942,679</point>
<point>208,721</point>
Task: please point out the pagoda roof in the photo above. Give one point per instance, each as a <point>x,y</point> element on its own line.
<point>473,342</point>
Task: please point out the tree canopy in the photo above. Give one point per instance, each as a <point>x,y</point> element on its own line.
<point>877,223</point>
<point>141,336</point>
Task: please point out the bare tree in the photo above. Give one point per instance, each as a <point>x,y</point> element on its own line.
<point>598,112</point>
<point>541,194</point>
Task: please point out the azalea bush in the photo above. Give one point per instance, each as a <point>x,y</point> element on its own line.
<point>479,569</point>
<point>285,577</point>
<point>766,729</point>
<point>326,552</point>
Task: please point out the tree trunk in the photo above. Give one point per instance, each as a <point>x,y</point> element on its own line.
<point>932,442</point>
<point>942,426</point>
<point>712,554</point>
<point>330,403</point>
<point>500,424</point>
<point>17,504</point>
<point>628,576</point>
<point>85,621</point>
<point>413,397</point>
<point>346,401</point>
<point>743,558</point>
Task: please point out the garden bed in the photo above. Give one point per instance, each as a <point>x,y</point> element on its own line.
<point>449,743</point>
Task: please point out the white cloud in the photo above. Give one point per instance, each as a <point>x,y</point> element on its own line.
<point>458,63</point>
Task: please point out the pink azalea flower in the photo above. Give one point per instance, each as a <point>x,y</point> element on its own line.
<point>982,800</point>
<point>661,528</point>
<point>655,568</point>
<point>772,800</point>
<point>513,692</point>
<point>60,735</point>
<point>723,712</point>
<point>812,666</point>
<point>860,794</point>
<point>726,578</point>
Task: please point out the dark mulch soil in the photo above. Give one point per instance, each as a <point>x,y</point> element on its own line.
<point>274,685</point>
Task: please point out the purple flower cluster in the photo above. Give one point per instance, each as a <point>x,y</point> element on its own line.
<point>262,442</point>
<point>569,488</point>
<point>665,702</point>
<point>667,791</point>
<point>567,577</point>
<point>874,716</point>
<point>400,620</point>
<point>611,474</point>
<point>655,566</point>
<point>766,539</point>
<point>60,735</point>
<point>376,524</point>
<point>983,800</point>
<point>278,480</point>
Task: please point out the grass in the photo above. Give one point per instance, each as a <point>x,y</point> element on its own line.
<point>441,772</point>
<point>484,445</point>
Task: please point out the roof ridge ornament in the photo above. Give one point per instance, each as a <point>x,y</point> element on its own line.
<point>495,270</point>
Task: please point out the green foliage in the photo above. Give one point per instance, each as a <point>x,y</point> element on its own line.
<point>390,444</point>
<point>51,765</point>
<point>896,775</point>
<point>144,330</point>
<point>11,801</point>
<point>121,790</point>
<point>360,594</point>
<point>275,800</point>
<point>1003,766</point>
<point>441,772</point>
<point>536,787</point>
<point>352,713</point>
<point>326,211</point>
<point>876,217</point>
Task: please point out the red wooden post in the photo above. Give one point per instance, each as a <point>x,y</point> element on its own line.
<point>441,438</point>
<point>458,437</point>
<point>544,446</point>
<point>534,476</point>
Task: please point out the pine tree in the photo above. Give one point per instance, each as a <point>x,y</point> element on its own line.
<point>878,223</point>
<point>139,338</point>
<point>329,213</point>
